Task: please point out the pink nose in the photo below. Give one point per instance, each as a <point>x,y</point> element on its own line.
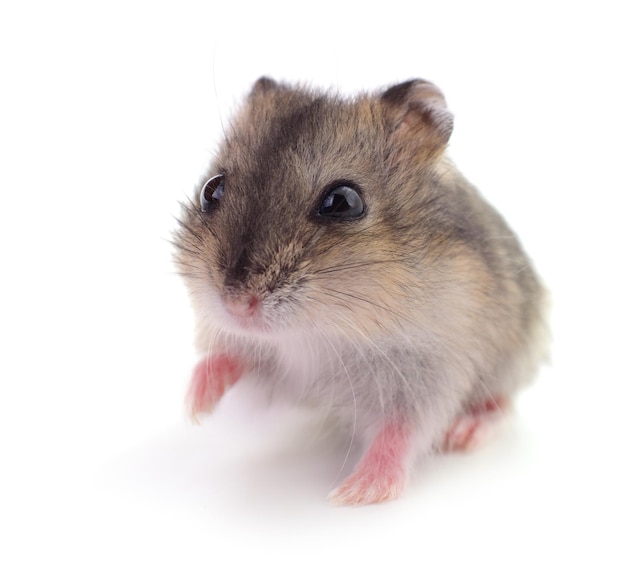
<point>243,307</point>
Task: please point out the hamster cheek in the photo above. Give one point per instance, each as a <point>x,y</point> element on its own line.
<point>211,377</point>
<point>382,472</point>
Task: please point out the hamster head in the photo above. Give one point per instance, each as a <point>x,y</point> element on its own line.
<point>317,212</point>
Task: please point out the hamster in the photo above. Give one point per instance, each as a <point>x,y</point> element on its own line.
<point>336,255</point>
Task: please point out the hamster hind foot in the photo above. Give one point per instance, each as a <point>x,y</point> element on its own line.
<point>382,472</point>
<point>211,377</point>
<point>473,427</point>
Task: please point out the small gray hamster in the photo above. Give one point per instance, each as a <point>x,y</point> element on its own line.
<point>335,254</point>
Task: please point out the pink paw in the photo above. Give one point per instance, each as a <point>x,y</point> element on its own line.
<point>211,377</point>
<point>381,474</point>
<point>473,427</point>
<point>370,486</point>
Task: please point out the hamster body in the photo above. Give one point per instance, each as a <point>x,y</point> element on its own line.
<point>337,255</point>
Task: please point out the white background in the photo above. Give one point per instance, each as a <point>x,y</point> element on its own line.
<point>108,117</point>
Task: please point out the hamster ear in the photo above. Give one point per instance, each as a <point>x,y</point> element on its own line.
<point>417,118</point>
<point>264,85</point>
<point>263,91</point>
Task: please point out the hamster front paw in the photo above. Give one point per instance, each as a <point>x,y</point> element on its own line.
<point>381,474</point>
<point>211,377</point>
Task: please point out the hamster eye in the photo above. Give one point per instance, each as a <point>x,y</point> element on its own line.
<point>342,202</point>
<point>212,192</point>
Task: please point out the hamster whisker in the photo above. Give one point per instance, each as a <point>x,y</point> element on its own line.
<point>204,223</point>
<point>350,306</point>
<point>354,402</point>
<point>217,99</point>
<point>192,266</point>
<point>361,350</point>
<point>327,404</point>
<point>191,231</point>
<point>192,249</point>
<point>338,268</point>
<point>309,242</point>
<point>189,275</point>
<point>190,209</point>
<point>371,342</point>
<point>409,388</point>
<point>345,304</point>
<point>392,312</point>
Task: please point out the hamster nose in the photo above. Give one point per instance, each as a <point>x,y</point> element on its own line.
<point>244,306</point>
